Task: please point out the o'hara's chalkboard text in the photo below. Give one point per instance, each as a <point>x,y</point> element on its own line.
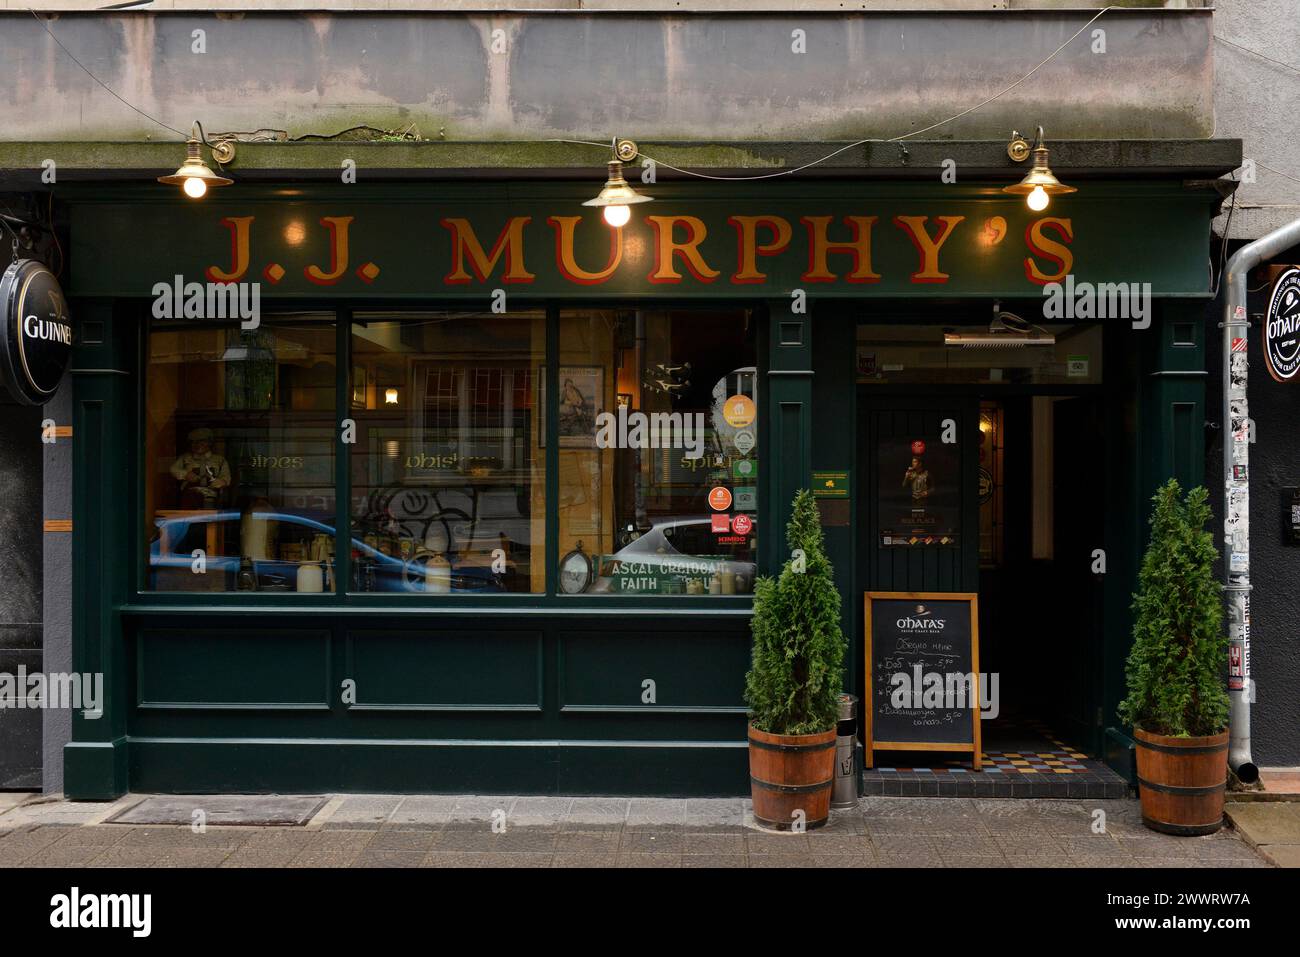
<point>923,686</point>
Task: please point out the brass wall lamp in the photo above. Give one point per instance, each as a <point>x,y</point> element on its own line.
<point>617,195</point>
<point>1039,184</point>
<point>193,175</point>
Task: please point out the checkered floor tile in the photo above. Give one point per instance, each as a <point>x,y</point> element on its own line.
<point>1022,758</point>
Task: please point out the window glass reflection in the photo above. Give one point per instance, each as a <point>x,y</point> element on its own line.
<point>658,448</point>
<point>447,487</point>
<point>239,455</point>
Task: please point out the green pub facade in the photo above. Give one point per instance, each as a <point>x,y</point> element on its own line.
<point>451,486</point>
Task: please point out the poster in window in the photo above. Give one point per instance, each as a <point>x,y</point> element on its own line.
<point>919,493</point>
<point>582,398</point>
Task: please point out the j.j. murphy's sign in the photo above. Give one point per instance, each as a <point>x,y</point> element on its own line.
<point>464,246</point>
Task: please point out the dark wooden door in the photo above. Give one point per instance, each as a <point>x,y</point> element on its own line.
<point>901,441</point>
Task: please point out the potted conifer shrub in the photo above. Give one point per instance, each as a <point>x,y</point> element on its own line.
<point>793,686</point>
<point>1176,700</point>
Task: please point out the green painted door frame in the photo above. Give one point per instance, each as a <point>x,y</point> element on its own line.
<point>96,760</point>
<point>1167,366</point>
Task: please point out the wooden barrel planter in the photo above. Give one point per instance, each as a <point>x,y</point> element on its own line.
<point>790,773</point>
<point>1181,782</point>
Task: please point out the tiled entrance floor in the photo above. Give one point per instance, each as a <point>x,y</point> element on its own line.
<point>1021,758</point>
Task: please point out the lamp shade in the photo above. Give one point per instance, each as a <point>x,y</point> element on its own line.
<point>194,169</point>
<point>1040,177</point>
<point>616,191</point>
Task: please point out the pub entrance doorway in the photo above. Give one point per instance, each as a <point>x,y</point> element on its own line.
<point>997,489</point>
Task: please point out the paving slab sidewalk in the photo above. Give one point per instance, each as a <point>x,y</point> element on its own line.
<point>377,830</point>
<point>1271,827</point>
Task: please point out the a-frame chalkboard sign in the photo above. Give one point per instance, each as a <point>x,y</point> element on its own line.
<point>922,673</point>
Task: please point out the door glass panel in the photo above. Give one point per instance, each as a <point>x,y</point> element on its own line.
<point>919,491</point>
<point>990,484</point>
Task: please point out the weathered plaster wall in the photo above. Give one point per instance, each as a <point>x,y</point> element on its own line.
<point>1258,101</point>
<point>594,76</point>
<point>671,6</point>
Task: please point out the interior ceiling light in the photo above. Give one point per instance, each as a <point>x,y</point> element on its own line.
<point>617,196</point>
<point>194,176</point>
<point>1039,184</point>
<point>1006,331</point>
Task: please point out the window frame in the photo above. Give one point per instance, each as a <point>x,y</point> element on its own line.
<point>550,600</point>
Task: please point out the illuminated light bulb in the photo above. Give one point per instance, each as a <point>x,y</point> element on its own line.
<point>390,397</point>
<point>1038,199</point>
<point>193,176</point>
<point>617,216</point>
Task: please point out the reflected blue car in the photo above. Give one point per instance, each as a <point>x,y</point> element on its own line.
<point>176,538</point>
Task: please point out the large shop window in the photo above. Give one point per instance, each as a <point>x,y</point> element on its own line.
<point>239,456</point>
<point>443,488</point>
<point>658,453</point>
<point>448,489</point>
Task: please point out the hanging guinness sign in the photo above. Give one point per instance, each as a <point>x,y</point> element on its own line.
<point>35,332</point>
<point>1282,326</point>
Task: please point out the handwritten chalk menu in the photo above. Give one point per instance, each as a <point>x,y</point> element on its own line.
<point>922,672</point>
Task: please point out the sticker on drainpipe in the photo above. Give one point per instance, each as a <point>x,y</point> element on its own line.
<point>1238,562</point>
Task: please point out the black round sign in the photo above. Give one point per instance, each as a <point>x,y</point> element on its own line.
<point>1282,327</point>
<point>35,332</point>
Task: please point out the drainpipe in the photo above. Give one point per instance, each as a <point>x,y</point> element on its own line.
<point>1238,433</point>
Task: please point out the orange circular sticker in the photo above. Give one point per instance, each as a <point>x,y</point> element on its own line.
<point>739,411</point>
<point>719,498</point>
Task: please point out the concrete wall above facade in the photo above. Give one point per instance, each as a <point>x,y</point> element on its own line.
<point>640,6</point>
<point>1257,98</point>
<point>699,77</point>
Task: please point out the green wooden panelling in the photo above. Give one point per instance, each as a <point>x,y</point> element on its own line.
<point>249,668</point>
<point>718,768</point>
<point>836,431</point>
<point>454,669</point>
<point>95,762</point>
<point>444,702</point>
<point>609,670</point>
<point>787,412</point>
<point>1169,437</point>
